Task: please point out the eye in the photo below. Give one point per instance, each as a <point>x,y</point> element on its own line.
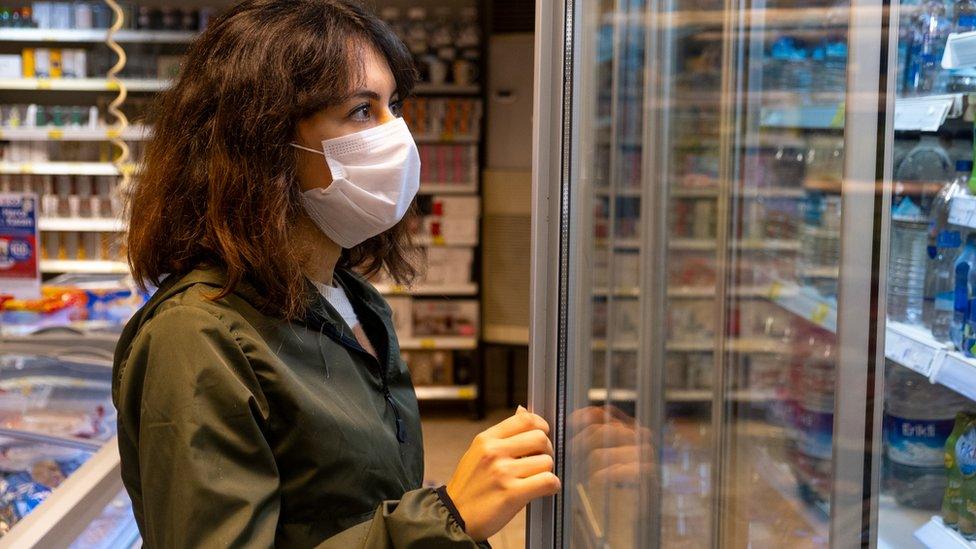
<point>396,108</point>
<point>360,113</point>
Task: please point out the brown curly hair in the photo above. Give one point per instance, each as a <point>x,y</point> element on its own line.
<point>219,185</point>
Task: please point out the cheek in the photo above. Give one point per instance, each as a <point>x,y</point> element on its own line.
<point>313,172</point>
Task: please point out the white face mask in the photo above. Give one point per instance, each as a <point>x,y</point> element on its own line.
<point>375,176</point>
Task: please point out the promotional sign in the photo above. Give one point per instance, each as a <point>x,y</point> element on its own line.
<point>20,274</point>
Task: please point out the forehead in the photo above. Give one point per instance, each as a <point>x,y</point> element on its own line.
<point>370,71</point>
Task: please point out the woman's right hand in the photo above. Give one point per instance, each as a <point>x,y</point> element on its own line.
<point>505,467</point>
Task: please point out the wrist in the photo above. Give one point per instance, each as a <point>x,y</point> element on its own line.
<point>452,509</point>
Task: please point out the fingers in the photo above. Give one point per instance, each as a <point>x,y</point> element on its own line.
<point>531,465</point>
<point>519,423</point>
<point>527,443</point>
<point>537,486</point>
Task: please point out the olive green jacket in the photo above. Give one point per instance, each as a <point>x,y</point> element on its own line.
<point>238,429</point>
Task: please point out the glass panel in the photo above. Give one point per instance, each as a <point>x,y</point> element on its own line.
<point>927,482</point>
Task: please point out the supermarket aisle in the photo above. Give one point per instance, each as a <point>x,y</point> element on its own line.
<point>446,437</point>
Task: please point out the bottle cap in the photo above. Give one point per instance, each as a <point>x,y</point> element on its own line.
<point>964,165</point>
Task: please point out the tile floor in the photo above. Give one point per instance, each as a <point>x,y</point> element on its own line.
<point>447,435</point>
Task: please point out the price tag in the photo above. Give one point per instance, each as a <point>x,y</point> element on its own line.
<point>466,392</point>
<point>26,168</point>
<point>819,313</point>
<point>398,289</point>
<point>43,84</point>
<point>909,353</point>
<point>438,240</point>
<point>55,134</point>
<point>112,85</point>
<point>838,120</point>
<point>775,290</point>
<point>113,134</point>
<point>428,343</point>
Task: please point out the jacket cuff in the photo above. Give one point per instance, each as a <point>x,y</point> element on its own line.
<point>451,508</point>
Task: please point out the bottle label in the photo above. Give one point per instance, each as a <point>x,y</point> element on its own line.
<point>816,433</point>
<point>917,442</point>
<point>944,301</point>
<point>949,239</point>
<point>966,452</point>
<point>967,21</point>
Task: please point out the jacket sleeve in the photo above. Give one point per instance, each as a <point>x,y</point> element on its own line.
<point>207,473</point>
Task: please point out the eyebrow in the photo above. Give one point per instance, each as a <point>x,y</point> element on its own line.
<point>367,94</point>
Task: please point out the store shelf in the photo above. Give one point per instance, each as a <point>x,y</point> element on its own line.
<point>83,266</point>
<point>694,193</point>
<point>80,36</point>
<point>467,289</point>
<point>709,292</point>
<point>936,535</point>
<point>446,392</point>
<point>630,192</point>
<point>448,188</point>
<point>82,84</point>
<point>699,244</point>
<point>443,241</point>
<point>446,139</point>
<point>80,224</point>
<point>446,89</point>
<point>962,211</point>
<point>446,343</point>
<point>59,168</point>
<point>132,133</point>
<point>773,192</point>
<point>819,272</point>
<point>630,291</point>
<point>804,302</point>
<point>682,395</point>
<point>619,243</point>
<point>744,345</point>
<point>811,117</point>
<point>927,113</point>
<point>915,348</point>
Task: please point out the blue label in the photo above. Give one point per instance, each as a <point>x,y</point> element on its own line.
<point>961,304</point>
<point>944,301</point>
<point>917,442</point>
<point>932,251</point>
<point>967,21</point>
<point>949,239</point>
<point>966,452</point>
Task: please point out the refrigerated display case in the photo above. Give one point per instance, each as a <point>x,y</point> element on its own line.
<point>60,481</point>
<point>752,315</point>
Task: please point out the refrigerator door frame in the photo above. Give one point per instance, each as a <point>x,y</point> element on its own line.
<point>553,108</point>
<point>868,134</point>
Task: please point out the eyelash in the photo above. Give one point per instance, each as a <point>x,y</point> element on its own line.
<point>396,107</point>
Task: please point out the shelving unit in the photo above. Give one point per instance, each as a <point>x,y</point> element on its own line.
<point>80,266</point>
<point>936,535</point>
<point>439,343</point>
<point>94,36</point>
<point>80,224</point>
<point>132,133</point>
<point>447,392</point>
<point>83,84</point>
<point>59,168</point>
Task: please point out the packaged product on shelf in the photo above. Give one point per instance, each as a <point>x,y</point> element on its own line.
<point>446,265</point>
<point>700,370</point>
<point>965,456</point>
<point>625,315</point>
<point>919,416</point>
<point>952,501</point>
<point>690,320</point>
<point>430,367</point>
<point>11,66</point>
<point>691,269</point>
<point>445,318</point>
<point>766,371</point>
<point>402,308</point>
<point>626,269</point>
<point>675,371</point>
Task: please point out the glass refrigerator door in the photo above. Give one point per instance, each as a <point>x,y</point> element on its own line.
<point>708,233</point>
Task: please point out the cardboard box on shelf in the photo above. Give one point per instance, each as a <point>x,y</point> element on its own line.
<point>402,315</point>
<point>430,367</point>
<point>445,317</point>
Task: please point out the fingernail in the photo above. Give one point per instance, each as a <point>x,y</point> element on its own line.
<point>521,409</point>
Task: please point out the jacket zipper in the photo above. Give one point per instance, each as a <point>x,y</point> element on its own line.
<point>400,429</point>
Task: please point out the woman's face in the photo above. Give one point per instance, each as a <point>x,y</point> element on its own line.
<point>365,107</point>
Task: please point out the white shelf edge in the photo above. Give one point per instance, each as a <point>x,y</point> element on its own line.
<point>83,266</point>
<point>804,302</point>
<point>936,535</point>
<point>467,289</point>
<point>59,168</point>
<point>84,84</point>
<point>681,395</point>
<point>446,343</point>
<point>72,36</point>
<point>67,133</point>
<point>80,224</point>
<point>446,392</point>
<point>916,349</point>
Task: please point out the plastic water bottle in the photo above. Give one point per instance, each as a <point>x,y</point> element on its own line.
<point>925,58</point>
<point>945,243</point>
<point>926,163</point>
<point>918,418</point>
<point>906,268</point>
<point>965,267</point>
<point>964,18</point>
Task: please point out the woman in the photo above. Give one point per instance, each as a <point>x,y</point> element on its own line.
<point>261,396</point>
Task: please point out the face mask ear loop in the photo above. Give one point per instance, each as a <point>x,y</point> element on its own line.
<point>297,146</point>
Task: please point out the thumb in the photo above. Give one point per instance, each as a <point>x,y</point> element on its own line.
<point>521,410</point>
